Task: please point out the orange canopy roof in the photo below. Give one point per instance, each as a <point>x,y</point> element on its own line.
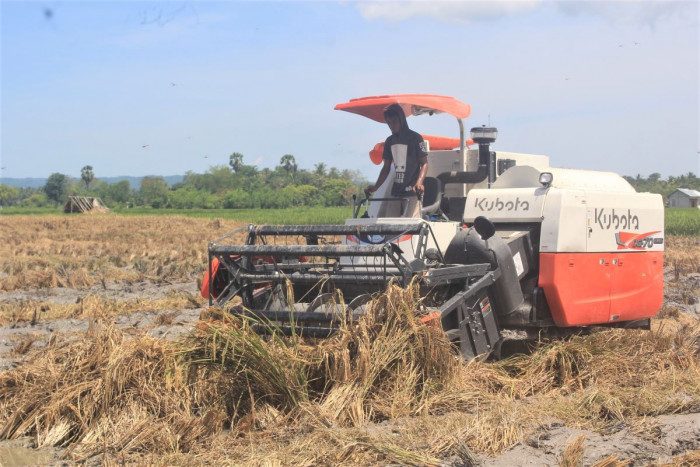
<point>412,104</point>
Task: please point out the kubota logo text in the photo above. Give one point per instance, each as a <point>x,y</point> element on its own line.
<point>634,241</point>
<point>613,220</point>
<point>485,204</point>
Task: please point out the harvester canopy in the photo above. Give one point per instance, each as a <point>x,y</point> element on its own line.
<point>412,104</point>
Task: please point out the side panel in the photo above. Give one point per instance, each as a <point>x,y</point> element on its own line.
<point>637,286</point>
<point>564,224</point>
<point>598,288</point>
<point>580,221</point>
<point>577,287</point>
<point>447,161</point>
<point>505,205</point>
<point>532,160</point>
<point>622,221</point>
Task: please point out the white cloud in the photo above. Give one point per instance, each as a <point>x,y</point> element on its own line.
<point>447,10</point>
<point>465,11</point>
<point>646,13</point>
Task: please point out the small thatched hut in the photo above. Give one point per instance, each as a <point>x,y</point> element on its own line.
<point>85,204</point>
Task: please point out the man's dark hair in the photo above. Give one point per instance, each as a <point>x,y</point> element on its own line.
<point>393,111</point>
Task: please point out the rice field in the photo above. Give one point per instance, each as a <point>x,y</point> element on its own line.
<point>80,251</point>
<point>295,215</point>
<point>678,221</point>
<point>683,221</point>
<point>385,391</point>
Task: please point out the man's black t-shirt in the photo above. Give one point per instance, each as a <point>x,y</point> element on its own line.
<point>405,149</point>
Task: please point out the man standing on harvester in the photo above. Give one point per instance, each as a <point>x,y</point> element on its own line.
<point>408,151</point>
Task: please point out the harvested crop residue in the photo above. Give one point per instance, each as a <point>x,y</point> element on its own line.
<point>120,371</point>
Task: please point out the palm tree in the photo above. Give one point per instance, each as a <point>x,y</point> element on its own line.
<point>236,161</point>
<point>87,175</point>
<point>288,163</point>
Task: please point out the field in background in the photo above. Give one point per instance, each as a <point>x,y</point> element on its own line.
<point>679,221</point>
<point>682,221</point>
<point>296,215</point>
<point>387,391</point>
<point>79,251</point>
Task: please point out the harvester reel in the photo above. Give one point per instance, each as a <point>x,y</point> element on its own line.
<point>327,303</point>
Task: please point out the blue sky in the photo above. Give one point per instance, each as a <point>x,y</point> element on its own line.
<point>163,87</point>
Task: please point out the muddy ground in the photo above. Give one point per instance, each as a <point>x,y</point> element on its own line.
<point>655,440</point>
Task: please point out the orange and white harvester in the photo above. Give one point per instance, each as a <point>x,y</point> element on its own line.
<point>506,245</point>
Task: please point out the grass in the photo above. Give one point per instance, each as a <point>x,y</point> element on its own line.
<point>296,215</point>
<point>682,221</point>
<point>28,211</point>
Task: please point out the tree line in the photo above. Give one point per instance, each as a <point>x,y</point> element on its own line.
<point>234,186</point>
<point>239,185</point>
<point>655,184</point>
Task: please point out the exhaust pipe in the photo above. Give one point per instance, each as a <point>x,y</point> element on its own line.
<point>483,136</point>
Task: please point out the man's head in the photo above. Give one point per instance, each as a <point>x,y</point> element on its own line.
<point>395,118</point>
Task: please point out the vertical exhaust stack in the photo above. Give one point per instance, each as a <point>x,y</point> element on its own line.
<point>484,136</point>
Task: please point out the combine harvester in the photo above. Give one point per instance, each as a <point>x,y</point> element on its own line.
<point>507,246</point>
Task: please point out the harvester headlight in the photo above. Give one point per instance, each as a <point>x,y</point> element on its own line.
<point>546,178</point>
<point>484,134</point>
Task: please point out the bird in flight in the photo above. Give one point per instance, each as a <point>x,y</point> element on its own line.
<point>173,84</point>
<point>145,145</point>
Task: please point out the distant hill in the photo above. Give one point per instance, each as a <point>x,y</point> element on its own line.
<point>23,182</point>
<point>134,181</point>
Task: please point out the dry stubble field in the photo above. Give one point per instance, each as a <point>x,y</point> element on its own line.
<point>103,363</point>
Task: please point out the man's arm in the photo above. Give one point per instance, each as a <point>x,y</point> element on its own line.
<point>383,174</point>
<point>418,187</point>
